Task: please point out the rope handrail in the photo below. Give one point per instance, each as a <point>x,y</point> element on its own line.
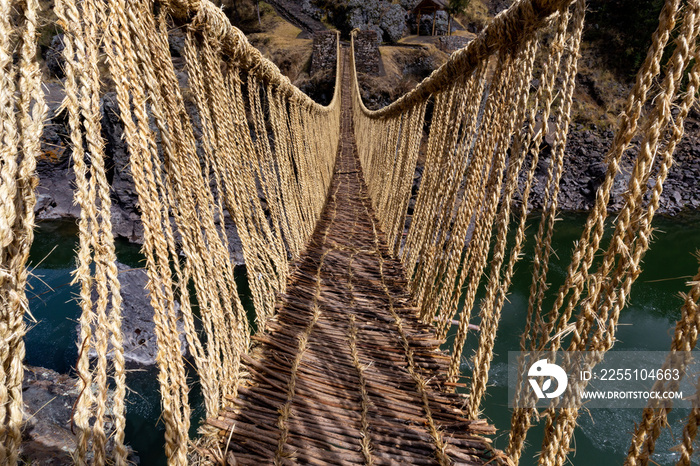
<point>204,15</point>
<point>507,30</point>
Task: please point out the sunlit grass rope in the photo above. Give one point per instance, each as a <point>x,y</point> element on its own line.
<point>189,192</point>
<point>98,327</point>
<point>22,110</point>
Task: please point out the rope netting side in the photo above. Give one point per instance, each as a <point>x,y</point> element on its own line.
<point>608,288</point>
<point>23,110</point>
<point>485,131</point>
<point>486,128</point>
<point>260,136</point>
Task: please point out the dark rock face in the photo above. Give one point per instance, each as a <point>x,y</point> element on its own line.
<point>56,179</point>
<point>138,328</point>
<point>54,56</point>
<point>49,398</point>
<point>409,4</point>
<point>388,20</point>
<point>311,10</point>
<point>585,170</point>
<point>393,23</point>
<point>176,44</point>
<point>126,217</point>
<point>320,86</point>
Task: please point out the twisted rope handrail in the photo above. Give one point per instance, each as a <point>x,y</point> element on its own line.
<point>203,15</point>
<point>506,31</point>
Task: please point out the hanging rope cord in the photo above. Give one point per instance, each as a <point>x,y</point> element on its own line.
<point>22,109</point>
<point>203,158</point>
<point>445,241</point>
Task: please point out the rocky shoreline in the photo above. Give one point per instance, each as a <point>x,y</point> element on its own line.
<point>48,438</point>
<point>585,169</point>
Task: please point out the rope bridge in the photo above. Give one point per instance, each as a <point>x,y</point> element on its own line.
<point>355,279</point>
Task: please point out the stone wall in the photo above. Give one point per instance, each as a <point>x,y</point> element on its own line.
<point>323,55</point>
<point>367,52</point>
<point>449,44</point>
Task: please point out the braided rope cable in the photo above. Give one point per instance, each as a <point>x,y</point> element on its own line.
<point>588,244</point>
<point>690,431</point>
<point>517,73</point>
<point>130,90</point>
<point>608,291</point>
<point>22,116</point>
<point>520,420</point>
<point>96,239</point>
<point>496,290</point>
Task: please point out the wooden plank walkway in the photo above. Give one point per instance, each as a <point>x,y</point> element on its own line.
<point>345,373</point>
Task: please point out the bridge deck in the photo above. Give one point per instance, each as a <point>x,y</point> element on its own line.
<point>345,373</point>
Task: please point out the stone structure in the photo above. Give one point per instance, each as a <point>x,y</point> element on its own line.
<point>323,55</point>
<point>367,52</point>
<point>449,44</point>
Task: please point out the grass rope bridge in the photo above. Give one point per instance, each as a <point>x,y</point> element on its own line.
<point>354,277</point>
<point>344,355</point>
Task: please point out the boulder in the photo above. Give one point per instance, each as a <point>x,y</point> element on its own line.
<point>387,19</point>
<point>49,398</point>
<point>393,22</point>
<point>138,328</point>
<point>54,57</point>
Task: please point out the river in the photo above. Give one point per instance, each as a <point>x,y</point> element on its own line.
<point>602,437</point>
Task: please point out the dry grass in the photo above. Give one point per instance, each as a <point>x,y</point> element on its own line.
<point>600,96</point>
<point>404,68</point>
<point>280,43</point>
<point>476,16</point>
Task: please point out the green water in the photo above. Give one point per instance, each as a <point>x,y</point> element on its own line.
<point>51,341</point>
<point>601,439</point>
<point>646,324</point>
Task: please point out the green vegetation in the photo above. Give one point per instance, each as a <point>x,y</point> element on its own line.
<point>455,7</point>
<point>622,30</point>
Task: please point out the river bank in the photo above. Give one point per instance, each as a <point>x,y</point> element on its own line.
<point>584,171</point>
